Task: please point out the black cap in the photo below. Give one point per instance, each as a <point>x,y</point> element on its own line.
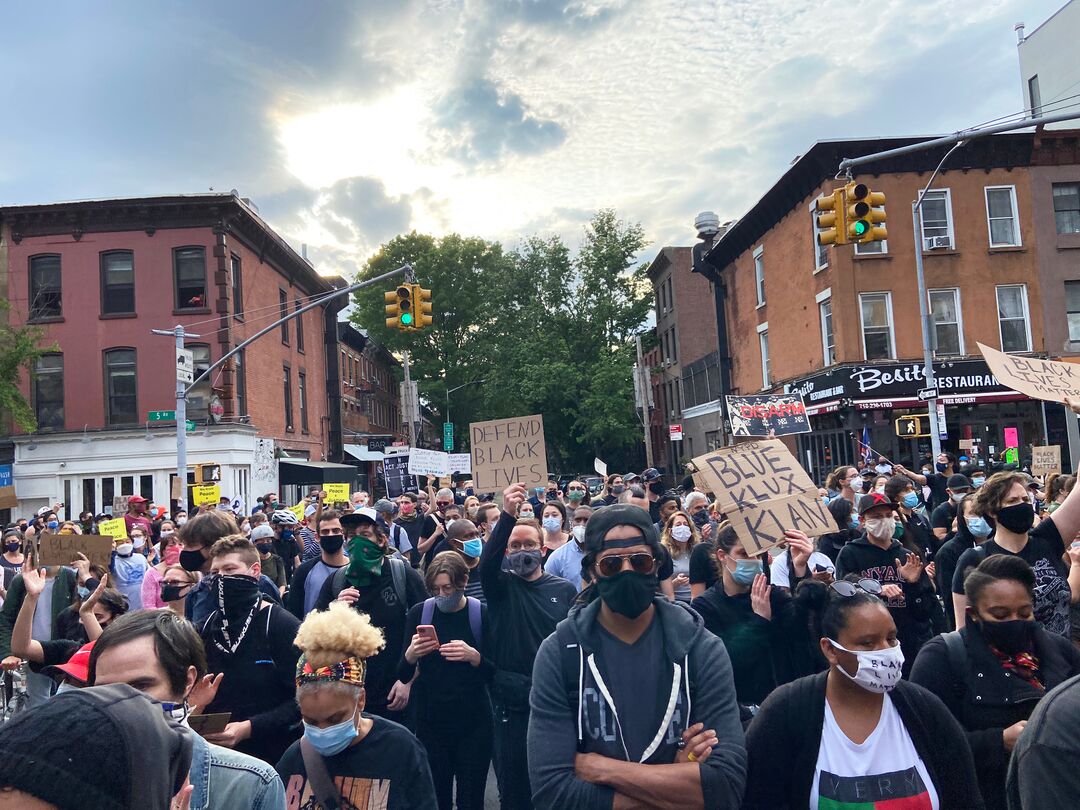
<point>958,481</point>
<point>651,474</point>
<point>619,514</point>
<point>872,501</point>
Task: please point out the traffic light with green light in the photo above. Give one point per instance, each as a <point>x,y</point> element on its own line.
<point>422,308</point>
<point>399,308</point>
<point>829,212</point>
<point>864,214</point>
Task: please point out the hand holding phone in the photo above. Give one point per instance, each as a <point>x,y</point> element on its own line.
<point>427,633</point>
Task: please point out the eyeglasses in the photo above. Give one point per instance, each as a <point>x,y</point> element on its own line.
<point>846,589</point>
<point>640,562</point>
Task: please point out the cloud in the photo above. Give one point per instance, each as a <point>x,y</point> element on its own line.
<point>362,203</point>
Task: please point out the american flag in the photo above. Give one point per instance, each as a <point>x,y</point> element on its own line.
<point>864,447</point>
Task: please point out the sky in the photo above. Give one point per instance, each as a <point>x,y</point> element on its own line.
<point>350,122</point>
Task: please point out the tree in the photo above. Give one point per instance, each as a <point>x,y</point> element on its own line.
<point>20,348</point>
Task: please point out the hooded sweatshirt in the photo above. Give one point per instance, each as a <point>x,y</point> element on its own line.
<point>691,682</point>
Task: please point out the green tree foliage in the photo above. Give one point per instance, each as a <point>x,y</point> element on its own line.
<point>547,332</point>
<point>20,348</point>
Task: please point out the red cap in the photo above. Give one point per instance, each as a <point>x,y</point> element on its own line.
<point>77,667</point>
<point>136,499</point>
<point>874,499</point>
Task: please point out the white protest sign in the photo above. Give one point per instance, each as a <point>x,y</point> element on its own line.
<point>506,451</point>
<point>428,462</point>
<point>600,467</point>
<point>460,463</point>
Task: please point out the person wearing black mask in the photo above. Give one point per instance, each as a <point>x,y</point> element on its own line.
<point>654,484</point>
<point>612,490</point>
<point>524,604</point>
<point>272,566</point>
<point>945,466</point>
<point>249,642</point>
<point>286,527</point>
<point>308,579</point>
<point>971,530</point>
<point>1006,500</point>
<point>992,673</point>
<point>941,519</point>
<point>629,654</point>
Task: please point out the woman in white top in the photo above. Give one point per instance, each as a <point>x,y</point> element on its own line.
<point>847,483</point>
<point>679,537</point>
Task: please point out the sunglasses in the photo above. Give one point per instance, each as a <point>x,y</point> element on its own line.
<point>640,562</point>
<point>846,589</point>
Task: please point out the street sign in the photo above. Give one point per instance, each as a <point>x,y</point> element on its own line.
<point>162,416</point>
<point>926,394</point>
<point>189,426</point>
<point>675,433</point>
<point>448,436</point>
<point>916,426</point>
<point>185,365</point>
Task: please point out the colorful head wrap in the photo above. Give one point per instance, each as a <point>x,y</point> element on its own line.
<point>351,670</point>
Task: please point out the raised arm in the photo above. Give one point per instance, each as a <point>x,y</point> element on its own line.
<point>491,559</point>
<point>22,644</point>
<point>914,476</point>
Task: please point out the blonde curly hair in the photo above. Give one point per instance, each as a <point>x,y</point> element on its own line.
<point>327,637</point>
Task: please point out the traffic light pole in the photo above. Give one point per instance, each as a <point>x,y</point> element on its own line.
<point>181,416</point>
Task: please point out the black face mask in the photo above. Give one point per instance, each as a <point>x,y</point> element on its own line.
<point>700,518</point>
<point>11,548</point>
<point>170,592</point>
<point>1010,637</point>
<point>192,560</point>
<point>237,592</point>
<point>628,593</point>
<point>1017,518</point>
<point>657,488</point>
<point>941,467</point>
<point>332,543</point>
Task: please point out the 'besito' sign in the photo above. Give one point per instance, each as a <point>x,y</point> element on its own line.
<point>897,381</point>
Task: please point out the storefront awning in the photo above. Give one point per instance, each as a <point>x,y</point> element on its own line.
<point>315,472</point>
<point>361,453</point>
<point>985,398</point>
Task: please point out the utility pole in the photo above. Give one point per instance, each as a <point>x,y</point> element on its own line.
<point>181,412</point>
<point>643,386</point>
<point>407,397</point>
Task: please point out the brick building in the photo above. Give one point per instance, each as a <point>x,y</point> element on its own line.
<point>97,276</point>
<point>1001,231</point>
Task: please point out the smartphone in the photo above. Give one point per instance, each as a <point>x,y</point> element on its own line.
<point>204,724</point>
<point>427,632</point>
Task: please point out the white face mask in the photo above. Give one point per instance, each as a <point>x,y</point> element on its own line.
<point>879,670</point>
<point>958,496</point>
<point>124,549</point>
<point>180,521</point>
<point>880,490</point>
<point>856,484</point>
<point>681,534</point>
<point>138,542</point>
<point>881,527</point>
<point>579,534</point>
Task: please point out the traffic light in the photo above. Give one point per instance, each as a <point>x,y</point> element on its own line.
<point>421,299</point>
<point>864,213</point>
<point>829,209</point>
<point>913,427</point>
<point>208,473</point>
<point>399,308</point>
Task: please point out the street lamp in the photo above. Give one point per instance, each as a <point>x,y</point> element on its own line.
<point>449,391</point>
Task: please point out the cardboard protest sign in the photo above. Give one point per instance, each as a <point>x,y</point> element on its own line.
<point>205,494</point>
<point>506,451</point>
<point>336,493</point>
<point>763,491</point>
<point>460,463</point>
<point>120,504</point>
<point>61,549</point>
<point>757,415</point>
<point>428,462</point>
<point>397,478</point>
<point>1039,379</point>
<point>1046,460</point>
<point>116,527</point>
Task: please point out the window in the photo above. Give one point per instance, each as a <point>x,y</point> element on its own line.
<point>121,407</point>
<point>241,383</point>
<point>821,252</point>
<point>299,327</point>
<point>48,392</point>
<point>937,215</point>
<point>1013,318</point>
<point>828,339</point>
<point>303,401</point>
<point>766,366</point>
<point>117,282</point>
<point>237,286</point>
<point>759,276</point>
<point>45,287</point>
<point>1002,217</point>
<point>287,384</point>
<point>948,328</point>
<point>1072,309</point>
<point>1066,211</point>
<point>189,270</point>
<point>283,310</point>
<point>1035,96</point>
<point>876,315</point>
<point>198,398</point>
<point>871,248</point>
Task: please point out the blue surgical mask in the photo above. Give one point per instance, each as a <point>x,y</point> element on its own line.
<point>977,482</point>
<point>53,525</point>
<point>473,548</point>
<point>84,592</point>
<point>746,570</point>
<point>911,500</point>
<point>552,524</point>
<point>332,739</point>
<point>853,522</point>
<point>978,526</point>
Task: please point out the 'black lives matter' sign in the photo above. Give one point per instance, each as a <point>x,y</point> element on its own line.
<point>763,491</point>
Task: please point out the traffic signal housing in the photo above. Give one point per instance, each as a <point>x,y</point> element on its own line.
<point>208,473</point>
<point>829,211</point>
<point>864,214</point>
<point>399,308</point>
<point>422,307</point>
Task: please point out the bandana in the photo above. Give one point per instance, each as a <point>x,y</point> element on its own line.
<point>351,670</point>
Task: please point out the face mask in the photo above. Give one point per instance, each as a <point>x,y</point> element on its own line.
<point>745,571</point>
<point>124,549</point>
<point>365,560</point>
<point>576,495</point>
<point>977,482</point>
<point>579,534</point>
<point>246,529</point>
<point>177,711</point>
<point>681,534</point>
<point>11,548</point>
<point>332,739</point>
<point>941,467</point>
<point>472,512</point>
<point>978,526</point>
<point>53,525</point>
<point>180,521</point>
<point>879,527</point>
<point>523,563</point>
<point>84,592</point>
<point>957,496</point>
<point>138,541</point>
<point>286,534</point>
<point>172,555</point>
<point>167,533</point>
<point>1010,637</point>
<point>628,593</point>
<point>525,515</point>
<point>237,590</point>
<point>879,670</point>
<point>880,490</point>
<point>552,524</point>
<point>264,548</point>
<point>856,484</point>
<point>657,488</point>
<point>192,560</point>
<point>825,499</point>
<point>332,544</point>
<point>898,530</point>
<point>911,500</point>
<point>618,489</point>
<point>1018,518</point>
<point>406,508</point>
<point>447,604</point>
<point>474,548</point>
<point>700,518</point>
<point>170,592</point>
<point>470,491</point>
<point>854,522</point>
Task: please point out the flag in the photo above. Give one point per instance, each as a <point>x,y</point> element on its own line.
<point>864,447</point>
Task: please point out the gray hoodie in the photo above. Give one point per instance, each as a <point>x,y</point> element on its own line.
<point>697,687</point>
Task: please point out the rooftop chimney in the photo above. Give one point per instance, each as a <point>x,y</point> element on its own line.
<point>1019,29</point>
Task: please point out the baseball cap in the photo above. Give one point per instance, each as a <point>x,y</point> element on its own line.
<point>958,481</point>
<point>77,667</point>
<point>358,516</point>
<point>261,532</point>
<point>136,499</point>
<point>44,511</point>
<point>873,500</point>
<point>384,506</point>
<point>651,474</point>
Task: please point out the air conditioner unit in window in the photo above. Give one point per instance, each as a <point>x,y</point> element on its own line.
<point>937,243</point>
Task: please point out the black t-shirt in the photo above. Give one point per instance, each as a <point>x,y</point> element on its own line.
<point>388,769</point>
<point>943,516</point>
<point>630,683</point>
<point>429,527</point>
<point>702,565</point>
<point>938,483</point>
<point>1043,553</point>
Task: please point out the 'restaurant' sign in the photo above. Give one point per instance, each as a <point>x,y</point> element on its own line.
<point>897,381</point>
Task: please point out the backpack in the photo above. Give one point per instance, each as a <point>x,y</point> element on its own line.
<point>475,621</point>
<point>397,574</point>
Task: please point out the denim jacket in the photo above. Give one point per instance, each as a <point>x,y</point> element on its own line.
<point>225,779</point>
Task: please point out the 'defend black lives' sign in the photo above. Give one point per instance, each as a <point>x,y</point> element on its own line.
<point>896,381</point>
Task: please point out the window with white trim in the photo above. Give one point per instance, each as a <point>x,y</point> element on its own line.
<point>1002,217</point>
<point>1072,309</point>
<point>1013,324</point>
<point>875,315</point>
<point>828,339</point>
<point>936,214</point>
<point>821,252</point>
<point>871,248</point>
<point>948,325</point>
<point>1067,207</point>
<point>759,275</point>
<point>766,365</point>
